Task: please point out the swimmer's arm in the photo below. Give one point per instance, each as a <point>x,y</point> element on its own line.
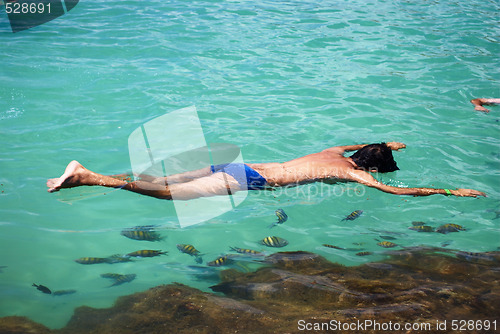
<point>368,180</point>
<point>395,146</point>
<point>341,149</point>
<point>478,103</point>
<point>347,148</point>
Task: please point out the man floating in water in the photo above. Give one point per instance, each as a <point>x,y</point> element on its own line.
<point>479,103</point>
<point>329,165</point>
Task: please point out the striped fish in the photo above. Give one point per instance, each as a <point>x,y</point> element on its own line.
<point>138,234</point>
<point>189,249</point>
<point>332,246</point>
<point>353,215</point>
<point>220,261</point>
<point>446,228</point>
<point>274,242</point>
<point>364,253</point>
<point>92,260</point>
<point>245,251</point>
<point>119,278</point>
<point>282,217</point>
<point>387,244</point>
<point>146,253</point>
<point>422,228</point>
<point>124,279</point>
<point>111,275</point>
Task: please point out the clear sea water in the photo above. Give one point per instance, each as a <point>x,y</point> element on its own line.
<point>280,79</point>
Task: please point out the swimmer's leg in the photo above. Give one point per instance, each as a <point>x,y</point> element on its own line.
<point>180,177</point>
<point>76,175</point>
<point>171,179</point>
<point>217,184</point>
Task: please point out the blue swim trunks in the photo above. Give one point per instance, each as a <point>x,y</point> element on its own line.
<point>247,177</point>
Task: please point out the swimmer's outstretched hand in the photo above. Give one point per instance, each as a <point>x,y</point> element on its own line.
<point>467,193</point>
<point>396,146</point>
<point>479,103</point>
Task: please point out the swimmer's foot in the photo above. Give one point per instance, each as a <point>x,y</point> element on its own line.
<point>74,176</point>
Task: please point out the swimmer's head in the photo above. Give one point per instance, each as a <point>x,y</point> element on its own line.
<point>375,157</point>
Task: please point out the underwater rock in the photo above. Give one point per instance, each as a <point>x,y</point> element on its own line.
<point>412,285</point>
<point>15,324</point>
<point>299,261</point>
<point>173,308</point>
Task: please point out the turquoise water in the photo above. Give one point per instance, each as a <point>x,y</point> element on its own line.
<point>279,80</point>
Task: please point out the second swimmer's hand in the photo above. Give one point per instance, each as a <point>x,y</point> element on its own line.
<point>396,146</point>
<point>467,193</point>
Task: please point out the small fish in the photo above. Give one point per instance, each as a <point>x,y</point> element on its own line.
<point>92,260</point>
<point>189,249</point>
<point>364,253</point>
<point>63,292</point>
<point>111,275</point>
<point>422,228</point>
<point>42,288</point>
<point>119,278</point>
<point>332,246</point>
<point>220,261</point>
<point>282,217</point>
<point>138,234</point>
<point>353,215</point>
<point>418,223</point>
<point>274,242</point>
<point>245,251</point>
<point>124,279</point>
<point>386,244</point>
<point>146,253</point>
<point>447,228</point>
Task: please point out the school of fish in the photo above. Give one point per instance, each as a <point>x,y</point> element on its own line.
<point>148,233</point>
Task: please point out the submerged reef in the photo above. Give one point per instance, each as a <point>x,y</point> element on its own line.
<point>297,292</point>
<point>15,324</point>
